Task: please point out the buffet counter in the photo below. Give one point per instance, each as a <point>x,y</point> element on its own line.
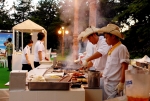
<point>73,94</point>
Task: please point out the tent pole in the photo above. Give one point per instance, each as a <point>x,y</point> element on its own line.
<point>13,41</point>
<point>46,42</point>
<point>22,39</point>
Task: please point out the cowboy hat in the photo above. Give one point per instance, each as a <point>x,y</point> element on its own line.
<point>112,29</point>
<point>89,31</point>
<point>80,36</point>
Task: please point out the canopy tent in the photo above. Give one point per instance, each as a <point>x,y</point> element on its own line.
<point>29,26</point>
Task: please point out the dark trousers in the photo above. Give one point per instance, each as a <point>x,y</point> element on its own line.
<point>26,67</point>
<point>9,59</point>
<point>36,64</point>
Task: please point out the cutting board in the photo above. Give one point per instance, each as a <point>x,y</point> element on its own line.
<point>66,78</point>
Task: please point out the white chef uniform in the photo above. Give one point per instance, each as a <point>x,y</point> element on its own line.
<point>39,46</point>
<point>112,71</point>
<point>25,51</point>
<point>89,50</point>
<point>101,47</point>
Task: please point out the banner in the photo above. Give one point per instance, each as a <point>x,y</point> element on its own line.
<point>3,38</point>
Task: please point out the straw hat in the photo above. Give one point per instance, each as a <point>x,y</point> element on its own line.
<point>112,29</point>
<point>90,31</point>
<point>81,35</point>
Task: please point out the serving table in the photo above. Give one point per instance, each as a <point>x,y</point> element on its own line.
<point>73,94</point>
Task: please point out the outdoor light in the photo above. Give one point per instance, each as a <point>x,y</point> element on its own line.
<point>59,32</point>
<point>62,27</point>
<point>66,32</point>
<point>63,31</point>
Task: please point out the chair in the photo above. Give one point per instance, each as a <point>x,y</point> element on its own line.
<point>3,61</point>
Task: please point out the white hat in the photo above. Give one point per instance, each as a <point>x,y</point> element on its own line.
<point>90,31</point>
<point>81,35</point>
<point>112,29</point>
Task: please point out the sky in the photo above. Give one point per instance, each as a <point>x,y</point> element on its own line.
<point>10,2</point>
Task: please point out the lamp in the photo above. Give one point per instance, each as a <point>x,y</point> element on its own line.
<point>63,31</point>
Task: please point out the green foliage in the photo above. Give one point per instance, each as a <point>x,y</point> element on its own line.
<point>125,11</point>
<point>107,10</point>
<point>22,11</point>
<point>5,20</point>
<point>137,37</point>
<point>137,40</point>
<point>47,15</point>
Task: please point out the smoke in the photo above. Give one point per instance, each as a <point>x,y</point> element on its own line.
<point>99,18</point>
<point>67,10</point>
<point>67,13</point>
<point>83,9</point>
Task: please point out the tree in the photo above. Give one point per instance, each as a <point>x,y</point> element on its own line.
<point>5,20</point>
<point>122,13</point>
<point>22,9</point>
<point>137,37</point>
<point>107,11</point>
<point>47,15</point>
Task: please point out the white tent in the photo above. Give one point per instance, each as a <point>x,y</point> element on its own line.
<point>29,27</point>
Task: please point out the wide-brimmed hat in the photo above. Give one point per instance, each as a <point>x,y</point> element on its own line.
<point>112,29</point>
<point>81,35</point>
<point>89,31</point>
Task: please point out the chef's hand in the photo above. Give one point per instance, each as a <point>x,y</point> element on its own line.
<point>76,61</point>
<point>46,59</point>
<point>120,87</point>
<point>84,63</point>
<point>82,68</point>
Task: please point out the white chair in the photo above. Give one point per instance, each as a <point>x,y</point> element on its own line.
<point>3,61</point>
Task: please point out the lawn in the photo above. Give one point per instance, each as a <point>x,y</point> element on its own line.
<point>4,77</point>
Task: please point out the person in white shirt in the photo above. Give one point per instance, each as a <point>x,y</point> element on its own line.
<point>26,63</point>
<point>117,62</point>
<point>39,50</point>
<point>98,59</point>
<point>89,50</point>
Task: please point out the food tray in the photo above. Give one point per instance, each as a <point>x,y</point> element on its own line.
<point>48,85</point>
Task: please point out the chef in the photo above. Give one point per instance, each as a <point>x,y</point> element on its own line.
<point>39,50</point>
<point>26,63</point>
<point>100,52</point>
<point>89,49</point>
<point>117,61</point>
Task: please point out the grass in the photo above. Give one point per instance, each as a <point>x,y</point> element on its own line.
<point>4,77</point>
<point>60,58</point>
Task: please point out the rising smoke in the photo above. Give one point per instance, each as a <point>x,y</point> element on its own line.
<point>67,15</point>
